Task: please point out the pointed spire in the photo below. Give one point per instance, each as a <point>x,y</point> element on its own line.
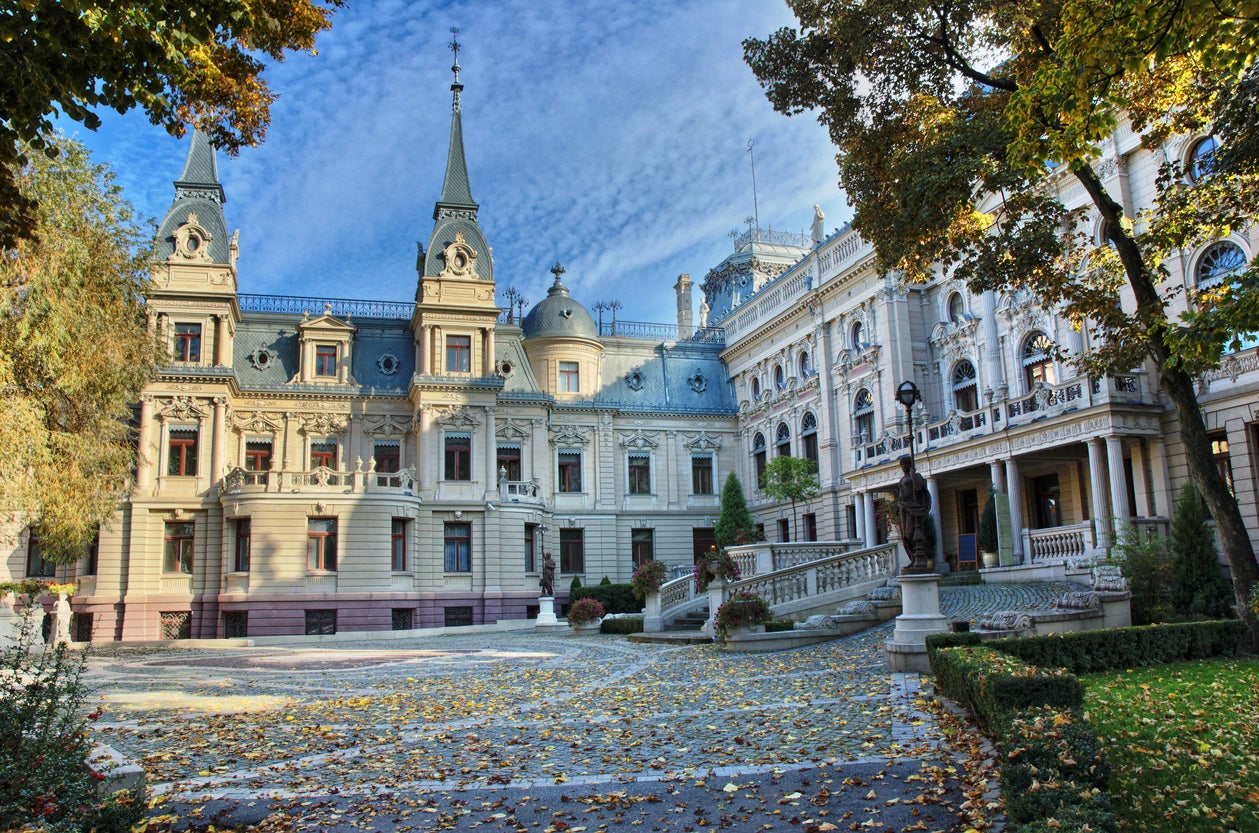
<point>456,192</point>
<point>197,192</point>
<point>201,169</point>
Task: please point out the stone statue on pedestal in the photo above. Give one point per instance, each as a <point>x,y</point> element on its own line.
<point>914,502</point>
<point>547,581</point>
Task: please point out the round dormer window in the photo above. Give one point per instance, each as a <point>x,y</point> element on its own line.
<point>388,364</point>
<point>194,243</point>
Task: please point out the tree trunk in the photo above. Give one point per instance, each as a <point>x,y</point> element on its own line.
<point>1179,386</point>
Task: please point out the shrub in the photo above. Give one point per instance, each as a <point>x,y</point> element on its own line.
<point>735,519</point>
<point>574,585</point>
<point>987,537</point>
<point>1044,744</point>
<point>741,609</point>
<point>1199,588</point>
<point>1102,650</point>
<point>992,685</point>
<point>716,565</point>
<point>584,611</point>
<point>622,624</point>
<point>648,578</point>
<point>1147,563</point>
<point>776,625</point>
<point>605,581</point>
<point>615,598</point>
<point>44,775</point>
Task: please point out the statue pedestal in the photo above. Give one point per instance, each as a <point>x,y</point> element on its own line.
<point>546,620</point>
<point>920,617</point>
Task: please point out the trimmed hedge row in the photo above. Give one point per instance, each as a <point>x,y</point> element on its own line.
<point>622,625</point>
<point>615,598</point>
<point>1053,771</point>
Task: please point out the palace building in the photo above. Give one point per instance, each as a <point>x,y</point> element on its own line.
<point>311,465</point>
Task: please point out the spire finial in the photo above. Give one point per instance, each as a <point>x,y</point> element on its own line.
<point>557,270</point>
<point>456,87</point>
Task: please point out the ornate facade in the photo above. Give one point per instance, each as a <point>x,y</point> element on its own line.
<point>310,465</point>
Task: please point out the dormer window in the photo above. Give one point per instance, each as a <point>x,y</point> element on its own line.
<point>187,342</point>
<point>325,360</point>
<point>458,354</point>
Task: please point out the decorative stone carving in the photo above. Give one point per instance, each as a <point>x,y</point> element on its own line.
<point>257,422</point>
<point>261,358</point>
<point>1109,578</point>
<point>703,441</point>
<point>638,441</point>
<point>512,430</point>
<point>1006,620</point>
<point>1079,601</point>
<point>697,382</point>
<point>322,425</point>
<point>184,408</point>
<point>569,436</point>
<point>858,607</point>
<point>386,425</point>
<point>192,242</point>
<point>634,380</point>
<point>388,364</point>
<point>460,259</point>
<point>458,417</point>
<point>889,592</point>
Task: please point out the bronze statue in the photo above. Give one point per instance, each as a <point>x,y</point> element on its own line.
<point>547,582</point>
<point>915,505</point>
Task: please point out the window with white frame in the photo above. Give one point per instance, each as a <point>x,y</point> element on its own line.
<point>568,474</point>
<point>1038,360</point>
<point>1220,262</point>
<point>759,458</point>
<point>965,391</point>
<point>808,437</point>
<point>702,474</point>
<point>639,468</point>
<point>863,416</point>
<point>782,441</point>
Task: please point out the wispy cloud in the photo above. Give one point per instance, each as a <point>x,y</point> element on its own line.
<point>611,137</point>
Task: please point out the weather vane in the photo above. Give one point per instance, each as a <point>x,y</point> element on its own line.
<point>756,211</point>
<point>454,47</point>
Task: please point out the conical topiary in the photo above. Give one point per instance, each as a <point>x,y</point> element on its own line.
<point>735,517</point>
<point>1199,588</point>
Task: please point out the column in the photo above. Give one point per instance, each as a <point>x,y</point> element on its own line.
<point>429,467</point>
<point>997,471</point>
<point>220,340</point>
<point>1118,484</point>
<point>1097,487</point>
<point>489,352</point>
<point>1162,496</point>
<point>933,489</point>
<point>491,452</point>
<point>1140,477</point>
<point>872,534</point>
<point>994,376</point>
<point>828,418</point>
<point>416,437</point>
<point>288,440</point>
<point>436,356</point>
<point>671,466</point>
<point>144,455</point>
<point>859,513</point>
<point>218,452</point>
<point>1014,485</point>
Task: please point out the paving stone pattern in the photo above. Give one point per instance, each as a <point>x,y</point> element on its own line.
<point>359,731</point>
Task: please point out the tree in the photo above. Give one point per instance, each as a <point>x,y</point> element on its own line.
<point>930,102</point>
<point>184,62</point>
<point>735,517</point>
<point>1198,586</point>
<point>793,479</point>
<point>75,350</point>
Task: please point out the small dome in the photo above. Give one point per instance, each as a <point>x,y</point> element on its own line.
<point>558,315</point>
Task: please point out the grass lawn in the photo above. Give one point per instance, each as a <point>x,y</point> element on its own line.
<point>1183,744</point>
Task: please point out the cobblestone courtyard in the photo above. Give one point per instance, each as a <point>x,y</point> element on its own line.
<point>519,731</point>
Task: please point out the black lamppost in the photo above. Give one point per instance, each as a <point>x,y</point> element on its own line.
<point>907,394</point>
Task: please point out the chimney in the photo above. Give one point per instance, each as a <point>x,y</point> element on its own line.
<point>685,317</point>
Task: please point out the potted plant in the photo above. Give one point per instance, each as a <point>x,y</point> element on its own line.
<point>585,615</point>
<point>648,578</point>
<point>743,612</point>
<point>987,537</point>
<point>716,565</point>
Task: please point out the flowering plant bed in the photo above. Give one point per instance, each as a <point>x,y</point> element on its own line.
<point>743,609</point>
<point>648,578</point>
<point>716,565</point>
<point>584,612</point>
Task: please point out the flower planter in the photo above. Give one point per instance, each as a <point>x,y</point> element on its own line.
<point>991,559</point>
<point>586,628</point>
<point>746,630</point>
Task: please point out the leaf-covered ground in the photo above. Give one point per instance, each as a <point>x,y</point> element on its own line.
<point>1183,743</point>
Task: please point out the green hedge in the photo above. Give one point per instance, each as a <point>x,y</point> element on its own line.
<point>615,598</point>
<point>622,625</point>
<point>776,625</point>
<point>1086,652</point>
<point>1053,771</point>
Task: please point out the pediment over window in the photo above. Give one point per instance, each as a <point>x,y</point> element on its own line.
<point>460,259</point>
<point>569,436</point>
<point>322,425</point>
<point>456,417</point>
<point>386,425</point>
<point>638,441</point>
<point>326,323</point>
<point>703,441</point>
<point>184,408</point>
<point>257,422</point>
<point>512,430</point>
<point>192,242</point>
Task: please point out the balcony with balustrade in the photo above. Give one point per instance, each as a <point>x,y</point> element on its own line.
<point>320,480</point>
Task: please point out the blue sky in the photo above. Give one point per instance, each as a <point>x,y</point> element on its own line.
<point>609,136</point>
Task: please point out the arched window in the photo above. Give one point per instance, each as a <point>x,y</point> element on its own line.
<point>782,441</point>
<point>1038,360</point>
<point>858,336</point>
<point>808,437</point>
<point>758,458</point>
<point>1202,158</point>
<point>957,308</point>
<point>804,363</point>
<point>756,389</point>
<point>965,392</point>
<point>779,381</point>
<point>863,416</point>
<point>1219,262</point>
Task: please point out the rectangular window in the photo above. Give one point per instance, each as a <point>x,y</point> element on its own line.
<point>36,566</point>
<point>458,548</point>
<point>531,558</point>
<point>702,474</point>
<point>183,453</point>
<point>236,624</point>
<point>180,538</point>
<point>572,550</point>
<point>509,460</point>
<point>402,618</point>
<point>457,616</point>
<point>325,360</point>
<point>570,471</point>
<point>187,342</point>
<point>642,546</point>
<point>176,624</point>
<point>323,454</point>
<point>810,526</point>
<point>1219,450</point>
<point>784,531</point>
<point>640,474</point>
<point>570,377</point>
<point>321,544</point>
<point>458,354</point>
<point>81,627</point>
<point>398,544</point>
<point>388,457</point>
<point>759,460</point>
<point>93,555</point>
<point>243,534</point>
<point>808,444</point>
<point>257,455</point>
<point>321,622</point>
<point>458,457</point>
